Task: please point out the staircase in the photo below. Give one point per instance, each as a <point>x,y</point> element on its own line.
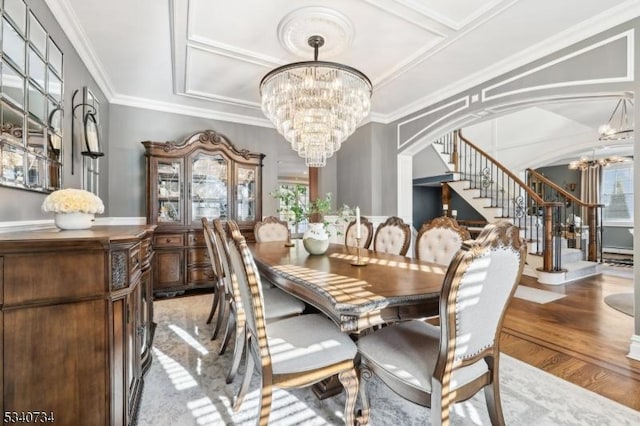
<point>497,193</point>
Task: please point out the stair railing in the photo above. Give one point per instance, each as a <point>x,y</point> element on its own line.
<point>572,206</point>
<point>537,218</point>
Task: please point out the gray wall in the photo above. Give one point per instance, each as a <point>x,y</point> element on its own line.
<point>130,126</point>
<point>16,204</point>
<point>366,170</point>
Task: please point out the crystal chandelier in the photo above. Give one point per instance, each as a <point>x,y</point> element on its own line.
<point>617,127</point>
<point>315,105</point>
<point>584,163</point>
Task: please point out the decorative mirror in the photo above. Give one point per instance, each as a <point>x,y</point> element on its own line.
<point>31,94</point>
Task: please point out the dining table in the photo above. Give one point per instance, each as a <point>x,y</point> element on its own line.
<point>387,289</point>
<point>358,289</point>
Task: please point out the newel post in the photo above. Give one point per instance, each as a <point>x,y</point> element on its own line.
<point>592,254</point>
<point>547,259</point>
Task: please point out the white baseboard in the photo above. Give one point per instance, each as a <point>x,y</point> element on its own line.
<point>634,348</point>
<point>121,221</point>
<point>617,250</point>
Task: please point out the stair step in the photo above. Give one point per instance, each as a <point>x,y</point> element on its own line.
<point>572,271</point>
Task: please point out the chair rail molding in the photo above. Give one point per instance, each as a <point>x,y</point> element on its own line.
<point>23,225</point>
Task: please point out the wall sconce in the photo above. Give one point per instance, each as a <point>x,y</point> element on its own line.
<point>55,129</point>
<point>571,186</point>
<point>92,136</point>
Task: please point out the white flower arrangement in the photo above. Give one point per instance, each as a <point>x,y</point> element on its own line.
<point>72,201</point>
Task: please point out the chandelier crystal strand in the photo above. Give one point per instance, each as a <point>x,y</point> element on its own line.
<point>315,105</point>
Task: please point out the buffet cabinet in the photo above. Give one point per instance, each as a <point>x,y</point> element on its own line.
<point>205,175</point>
<point>76,323</point>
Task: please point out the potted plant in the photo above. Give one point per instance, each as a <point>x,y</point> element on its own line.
<point>295,209</point>
<point>73,208</point>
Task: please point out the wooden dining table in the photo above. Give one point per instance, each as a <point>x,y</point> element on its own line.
<point>389,288</point>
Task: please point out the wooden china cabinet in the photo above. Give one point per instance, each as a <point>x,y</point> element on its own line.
<point>205,175</point>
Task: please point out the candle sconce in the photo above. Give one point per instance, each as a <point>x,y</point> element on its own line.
<point>90,128</point>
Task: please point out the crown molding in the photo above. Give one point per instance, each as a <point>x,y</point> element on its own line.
<point>68,21</point>
<point>149,104</point>
<point>589,28</point>
<point>63,13</point>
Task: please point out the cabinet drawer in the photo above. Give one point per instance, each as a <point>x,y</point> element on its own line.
<point>169,240</point>
<point>146,248</point>
<point>198,256</point>
<point>201,276</point>
<point>196,238</point>
<point>135,261</point>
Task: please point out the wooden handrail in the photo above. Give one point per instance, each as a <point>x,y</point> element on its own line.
<point>591,211</point>
<point>537,198</point>
<point>561,190</point>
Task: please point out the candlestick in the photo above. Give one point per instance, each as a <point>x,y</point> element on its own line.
<point>358,236</point>
<point>288,243</point>
<point>358,261</point>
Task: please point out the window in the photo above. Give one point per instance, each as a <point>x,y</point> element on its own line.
<point>617,194</point>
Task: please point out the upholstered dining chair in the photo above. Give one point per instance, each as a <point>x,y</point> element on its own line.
<point>278,304</point>
<point>436,366</point>
<point>393,236</point>
<point>219,287</point>
<point>271,229</point>
<point>290,353</point>
<point>440,239</point>
<point>366,233</point>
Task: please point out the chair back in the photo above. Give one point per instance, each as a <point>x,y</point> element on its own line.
<point>250,291</point>
<point>440,239</point>
<point>212,250</point>
<point>366,233</point>
<point>478,284</point>
<point>223,254</point>
<point>271,229</point>
<point>393,236</point>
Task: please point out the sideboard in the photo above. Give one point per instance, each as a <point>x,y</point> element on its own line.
<point>76,321</point>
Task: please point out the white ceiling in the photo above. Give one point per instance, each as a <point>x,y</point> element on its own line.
<point>207,57</point>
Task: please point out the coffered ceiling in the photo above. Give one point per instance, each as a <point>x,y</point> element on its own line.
<point>207,57</point>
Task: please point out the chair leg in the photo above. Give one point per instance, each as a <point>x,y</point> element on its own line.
<point>242,392</point>
<point>349,380</point>
<point>440,404</point>
<point>238,349</point>
<point>231,322</point>
<point>266,398</point>
<point>365,376</point>
<point>492,394</point>
<point>214,305</point>
<point>222,302</point>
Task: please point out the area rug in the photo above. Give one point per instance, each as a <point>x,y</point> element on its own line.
<point>537,295</point>
<point>622,302</point>
<point>185,386</point>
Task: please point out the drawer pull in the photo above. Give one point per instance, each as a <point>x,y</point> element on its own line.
<point>168,240</point>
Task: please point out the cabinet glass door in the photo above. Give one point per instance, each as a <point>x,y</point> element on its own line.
<point>169,191</point>
<point>246,194</point>
<point>209,183</point>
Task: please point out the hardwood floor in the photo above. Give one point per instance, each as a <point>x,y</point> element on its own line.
<point>578,338</point>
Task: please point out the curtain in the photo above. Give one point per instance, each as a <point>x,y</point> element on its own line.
<point>590,188</point>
